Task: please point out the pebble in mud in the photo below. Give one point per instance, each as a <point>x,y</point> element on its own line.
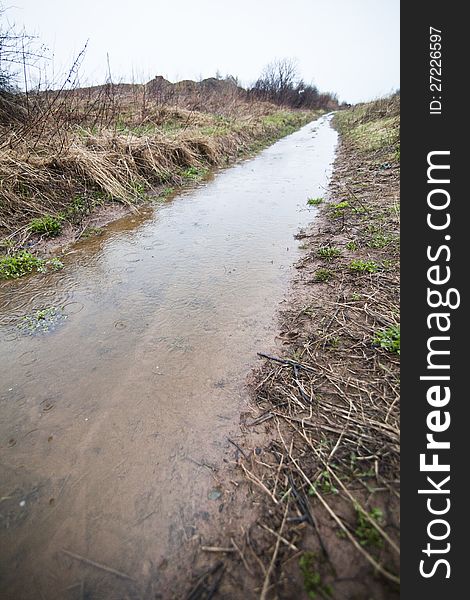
<point>214,495</point>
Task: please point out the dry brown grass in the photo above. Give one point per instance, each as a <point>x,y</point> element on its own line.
<point>116,144</point>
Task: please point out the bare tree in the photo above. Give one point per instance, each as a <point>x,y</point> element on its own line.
<point>281,84</point>
<point>277,80</point>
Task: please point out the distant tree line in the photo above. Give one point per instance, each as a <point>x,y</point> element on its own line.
<point>281,84</point>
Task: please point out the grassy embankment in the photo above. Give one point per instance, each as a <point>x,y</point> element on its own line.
<point>330,402</point>
<point>71,154</point>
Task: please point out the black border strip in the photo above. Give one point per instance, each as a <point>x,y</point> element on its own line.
<point>423,247</point>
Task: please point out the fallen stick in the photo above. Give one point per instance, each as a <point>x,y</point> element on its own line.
<point>215,586</point>
<point>242,556</point>
<point>264,591</point>
<point>260,419</point>
<point>198,589</point>
<point>286,361</point>
<point>216,549</point>
<point>283,539</point>
<point>97,565</point>
<point>254,479</point>
<point>238,448</point>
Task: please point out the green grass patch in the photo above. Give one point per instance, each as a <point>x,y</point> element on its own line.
<point>6,245</point>
<point>217,130</point>
<point>82,205</point>
<point>323,275</point>
<point>389,264</point>
<point>19,264</point>
<point>323,484</point>
<point>167,192</point>
<point>328,252</point>
<point>388,339</point>
<point>285,120</point>
<point>138,189</point>
<point>360,210</point>
<point>339,208</point>
<point>363,266</point>
<point>380,240</point>
<point>373,126</point>
<point>352,245</point>
<point>313,584</point>
<point>23,262</point>
<point>366,533</point>
<point>314,201</point>
<point>47,225</point>
<point>282,123</point>
<point>377,134</point>
<point>195,173</point>
<point>54,263</point>
<point>78,207</point>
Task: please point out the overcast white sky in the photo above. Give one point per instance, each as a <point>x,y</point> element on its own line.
<point>350,47</point>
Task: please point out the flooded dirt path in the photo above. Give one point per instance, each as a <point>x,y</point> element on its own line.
<point>110,415</point>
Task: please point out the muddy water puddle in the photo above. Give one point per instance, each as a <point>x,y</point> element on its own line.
<point>113,405</point>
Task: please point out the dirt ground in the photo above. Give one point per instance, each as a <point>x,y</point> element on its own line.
<point>312,490</point>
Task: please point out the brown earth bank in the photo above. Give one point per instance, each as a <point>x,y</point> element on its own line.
<point>311,496</point>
